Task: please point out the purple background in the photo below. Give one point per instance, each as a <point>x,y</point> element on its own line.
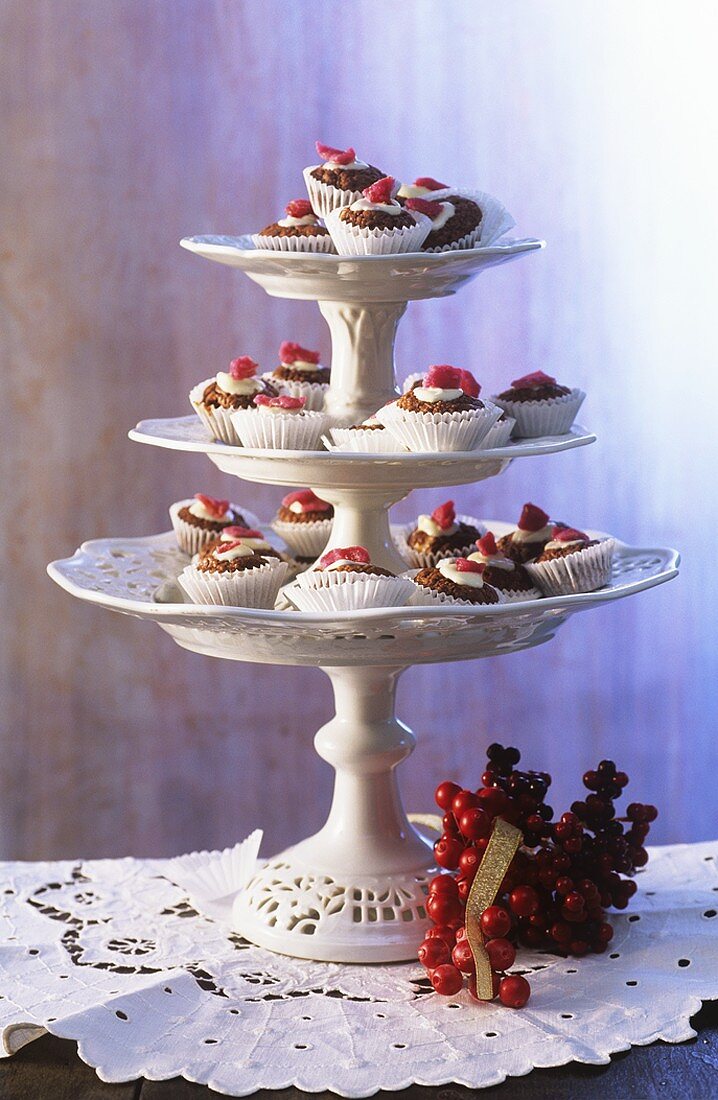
<point>128,125</point>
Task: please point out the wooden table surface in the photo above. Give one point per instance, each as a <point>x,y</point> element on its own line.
<point>49,1069</point>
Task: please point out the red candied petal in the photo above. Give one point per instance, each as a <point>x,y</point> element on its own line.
<point>469,384</point>
<point>444,515</point>
<point>299,208</point>
<point>381,191</point>
<point>235,532</point>
<point>463,565</point>
<point>443,376</point>
<point>487,545</point>
<point>284,401</point>
<point>424,206</point>
<point>569,534</point>
<point>215,507</point>
<point>243,367</point>
<point>430,183</point>
<point>310,501</point>
<point>348,553</point>
<point>339,156</point>
<point>532,518</point>
<point>533,381</point>
<point>289,352</point>
<point>225,546</point>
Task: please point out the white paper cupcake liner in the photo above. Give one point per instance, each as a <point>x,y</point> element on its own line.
<point>218,421</point>
<point>213,876</point>
<point>469,240</point>
<point>417,560</point>
<point>420,431</point>
<point>191,539</point>
<point>256,587</point>
<point>368,442</point>
<point>499,434</point>
<point>495,220</point>
<point>312,392</point>
<point>280,431</point>
<point>318,590</point>
<point>517,597</point>
<point>353,240</point>
<point>305,540</point>
<point>427,597</point>
<point>324,197</point>
<point>554,416</point>
<point>584,571</point>
<point>296,243</point>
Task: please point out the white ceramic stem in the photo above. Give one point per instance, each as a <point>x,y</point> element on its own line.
<point>361,518</point>
<point>362,357</point>
<point>355,891</point>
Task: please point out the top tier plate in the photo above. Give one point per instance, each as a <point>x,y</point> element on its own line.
<point>320,277</point>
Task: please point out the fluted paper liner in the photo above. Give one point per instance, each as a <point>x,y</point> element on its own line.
<point>427,597</point>
<point>191,539</point>
<point>553,416</point>
<point>257,587</point>
<point>364,442</point>
<point>423,431</point>
<point>280,431</point>
<point>325,197</point>
<point>499,434</point>
<point>583,571</point>
<point>295,243</point>
<point>209,877</point>
<point>495,220</point>
<point>354,240</point>
<point>217,421</point>
<point>305,540</point>
<point>322,590</point>
<point>417,560</point>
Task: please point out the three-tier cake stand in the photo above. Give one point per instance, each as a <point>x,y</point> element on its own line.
<point>355,891</point>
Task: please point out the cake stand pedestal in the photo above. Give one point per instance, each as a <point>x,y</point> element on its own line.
<point>356,890</point>
<point>363,338</point>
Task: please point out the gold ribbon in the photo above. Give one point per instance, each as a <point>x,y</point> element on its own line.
<point>502,847</point>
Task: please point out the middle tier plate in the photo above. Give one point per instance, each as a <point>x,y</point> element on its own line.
<point>343,470</point>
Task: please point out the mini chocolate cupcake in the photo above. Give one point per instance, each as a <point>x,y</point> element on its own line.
<point>442,534</point>
<point>455,580</point>
<point>455,222</point>
<point>531,535</point>
<point>346,580</point>
<point>540,406</point>
<point>299,231</point>
<point>300,374</point>
<point>339,181</point>
<point>572,562</point>
<point>215,399</point>
<point>232,574</point>
<point>442,412</point>
<point>508,577</point>
<point>376,224</point>
<point>280,423</point>
<point>304,523</point>
<point>200,519</point>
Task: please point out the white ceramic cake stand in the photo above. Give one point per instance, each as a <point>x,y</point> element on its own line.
<point>354,892</point>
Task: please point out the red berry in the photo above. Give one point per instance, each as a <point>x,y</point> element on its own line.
<point>493,800</point>
<point>514,991</point>
<point>463,801</point>
<point>463,885</point>
<point>495,921</point>
<point>574,902</point>
<point>561,931</point>
<point>446,980</point>
<point>502,953</point>
<point>469,861</point>
<point>433,953</point>
<point>564,885</point>
<point>442,932</point>
<point>442,884</point>
<point>447,851</point>
<point>605,932</point>
<point>443,908</point>
<point>524,901</point>
<point>475,823</point>
<point>445,793</point>
<point>462,957</point>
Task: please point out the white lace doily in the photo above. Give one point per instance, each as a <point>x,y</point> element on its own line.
<point>111,953</point>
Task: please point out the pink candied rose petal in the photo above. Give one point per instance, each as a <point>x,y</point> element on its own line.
<point>469,384</point>
<point>569,534</point>
<point>382,191</point>
<point>347,553</point>
<point>299,208</point>
<point>533,381</point>
<point>284,401</point>
<point>289,352</point>
<point>444,515</point>
<point>236,532</point>
<point>309,501</point>
<point>424,206</point>
<point>443,377</point>
<point>487,545</point>
<point>463,565</point>
<point>214,506</point>
<point>339,156</point>
<point>430,183</point>
<point>532,518</point>
<point>243,367</point>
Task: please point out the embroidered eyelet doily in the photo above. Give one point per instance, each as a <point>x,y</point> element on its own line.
<point>113,954</point>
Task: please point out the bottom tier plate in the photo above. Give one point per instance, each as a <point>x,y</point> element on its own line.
<point>137,576</point>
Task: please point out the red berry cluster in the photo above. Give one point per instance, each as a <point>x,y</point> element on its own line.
<point>560,882</point>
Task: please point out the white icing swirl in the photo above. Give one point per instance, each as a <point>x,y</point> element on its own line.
<point>243,386</point>
<point>302,365</point>
<point>199,511</point>
<point>353,166</point>
<point>233,552</point>
<point>432,394</point>
<point>392,207</point>
<point>496,561</point>
<point>531,536</point>
<point>290,222</point>
<point>255,544</point>
<point>411,191</point>
<point>447,568</point>
<point>447,211</point>
<point>430,527</point>
<point>560,544</point>
<point>298,508</point>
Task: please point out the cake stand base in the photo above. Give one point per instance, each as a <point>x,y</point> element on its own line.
<point>355,892</point>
